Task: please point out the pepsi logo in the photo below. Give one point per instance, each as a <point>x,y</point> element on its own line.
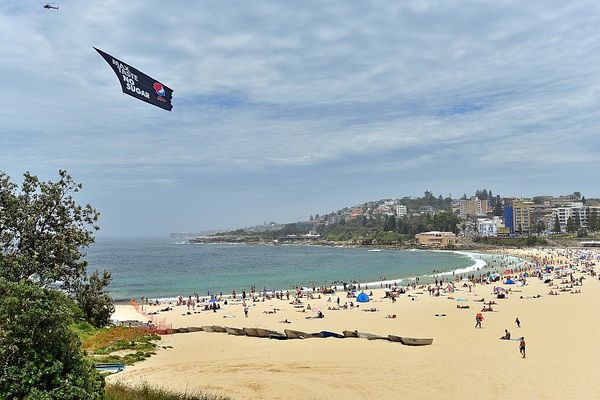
<point>159,89</point>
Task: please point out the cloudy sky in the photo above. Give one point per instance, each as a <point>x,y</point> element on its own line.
<point>284,109</point>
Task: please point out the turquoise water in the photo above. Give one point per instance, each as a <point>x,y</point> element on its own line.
<point>165,268</point>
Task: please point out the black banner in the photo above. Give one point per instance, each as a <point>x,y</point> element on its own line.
<point>139,85</point>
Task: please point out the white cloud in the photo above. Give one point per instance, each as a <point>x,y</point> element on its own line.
<point>267,85</point>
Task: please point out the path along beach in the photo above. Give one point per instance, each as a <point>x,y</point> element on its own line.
<point>561,331</point>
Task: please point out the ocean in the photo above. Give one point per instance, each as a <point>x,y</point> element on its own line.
<point>166,268</point>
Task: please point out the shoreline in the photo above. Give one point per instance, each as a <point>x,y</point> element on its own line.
<point>478,264</point>
<point>460,356</point>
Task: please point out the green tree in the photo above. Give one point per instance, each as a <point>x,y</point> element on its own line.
<point>571,225</point>
<point>43,232</point>
<point>447,222</point>
<point>593,221</point>
<point>576,221</point>
<point>40,355</point>
<point>556,227</point>
<point>498,209</point>
<point>391,224</point>
<point>540,227</point>
<point>93,300</point>
<point>43,229</point>
<point>428,199</point>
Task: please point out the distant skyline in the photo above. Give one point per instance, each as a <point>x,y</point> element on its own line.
<point>286,109</point>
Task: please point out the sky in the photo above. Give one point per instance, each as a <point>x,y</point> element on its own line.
<point>283,109</point>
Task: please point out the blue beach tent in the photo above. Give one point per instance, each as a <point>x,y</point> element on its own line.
<point>362,298</point>
<point>510,282</point>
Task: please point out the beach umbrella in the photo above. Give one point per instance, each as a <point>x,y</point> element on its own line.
<point>213,300</point>
<point>499,289</point>
<point>494,277</point>
<point>461,299</point>
<point>507,271</point>
<point>510,282</point>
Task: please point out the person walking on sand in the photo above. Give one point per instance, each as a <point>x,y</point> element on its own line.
<point>522,346</point>
<point>246,311</point>
<point>478,319</point>
<point>518,322</point>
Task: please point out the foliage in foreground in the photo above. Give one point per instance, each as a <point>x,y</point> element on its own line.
<point>91,297</point>
<point>43,231</point>
<point>137,343</point>
<point>40,354</point>
<point>146,392</point>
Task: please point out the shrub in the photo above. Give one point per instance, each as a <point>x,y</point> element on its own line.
<point>40,354</point>
<point>119,391</point>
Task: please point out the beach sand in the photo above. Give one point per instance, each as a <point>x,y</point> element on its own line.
<point>563,351</point>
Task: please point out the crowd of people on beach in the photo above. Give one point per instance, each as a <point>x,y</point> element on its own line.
<point>503,274</point>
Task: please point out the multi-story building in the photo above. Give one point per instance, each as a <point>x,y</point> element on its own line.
<point>489,227</point>
<point>522,215</point>
<point>574,209</point>
<point>334,219</point>
<point>401,210</point>
<point>427,210</point>
<point>384,210</point>
<point>455,206</point>
<point>517,215</point>
<point>509,221</point>
<point>473,207</point>
<point>541,212</point>
<point>436,239</point>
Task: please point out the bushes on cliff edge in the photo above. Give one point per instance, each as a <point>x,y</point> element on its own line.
<point>40,355</point>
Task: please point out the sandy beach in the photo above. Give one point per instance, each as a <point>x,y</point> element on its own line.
<point>561,332</point>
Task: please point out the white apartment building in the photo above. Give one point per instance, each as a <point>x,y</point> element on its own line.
<point>401,210</point>
<point>488,227</point>
<point>564,213</point>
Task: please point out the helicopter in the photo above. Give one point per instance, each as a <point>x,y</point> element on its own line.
<point>50,6</point>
